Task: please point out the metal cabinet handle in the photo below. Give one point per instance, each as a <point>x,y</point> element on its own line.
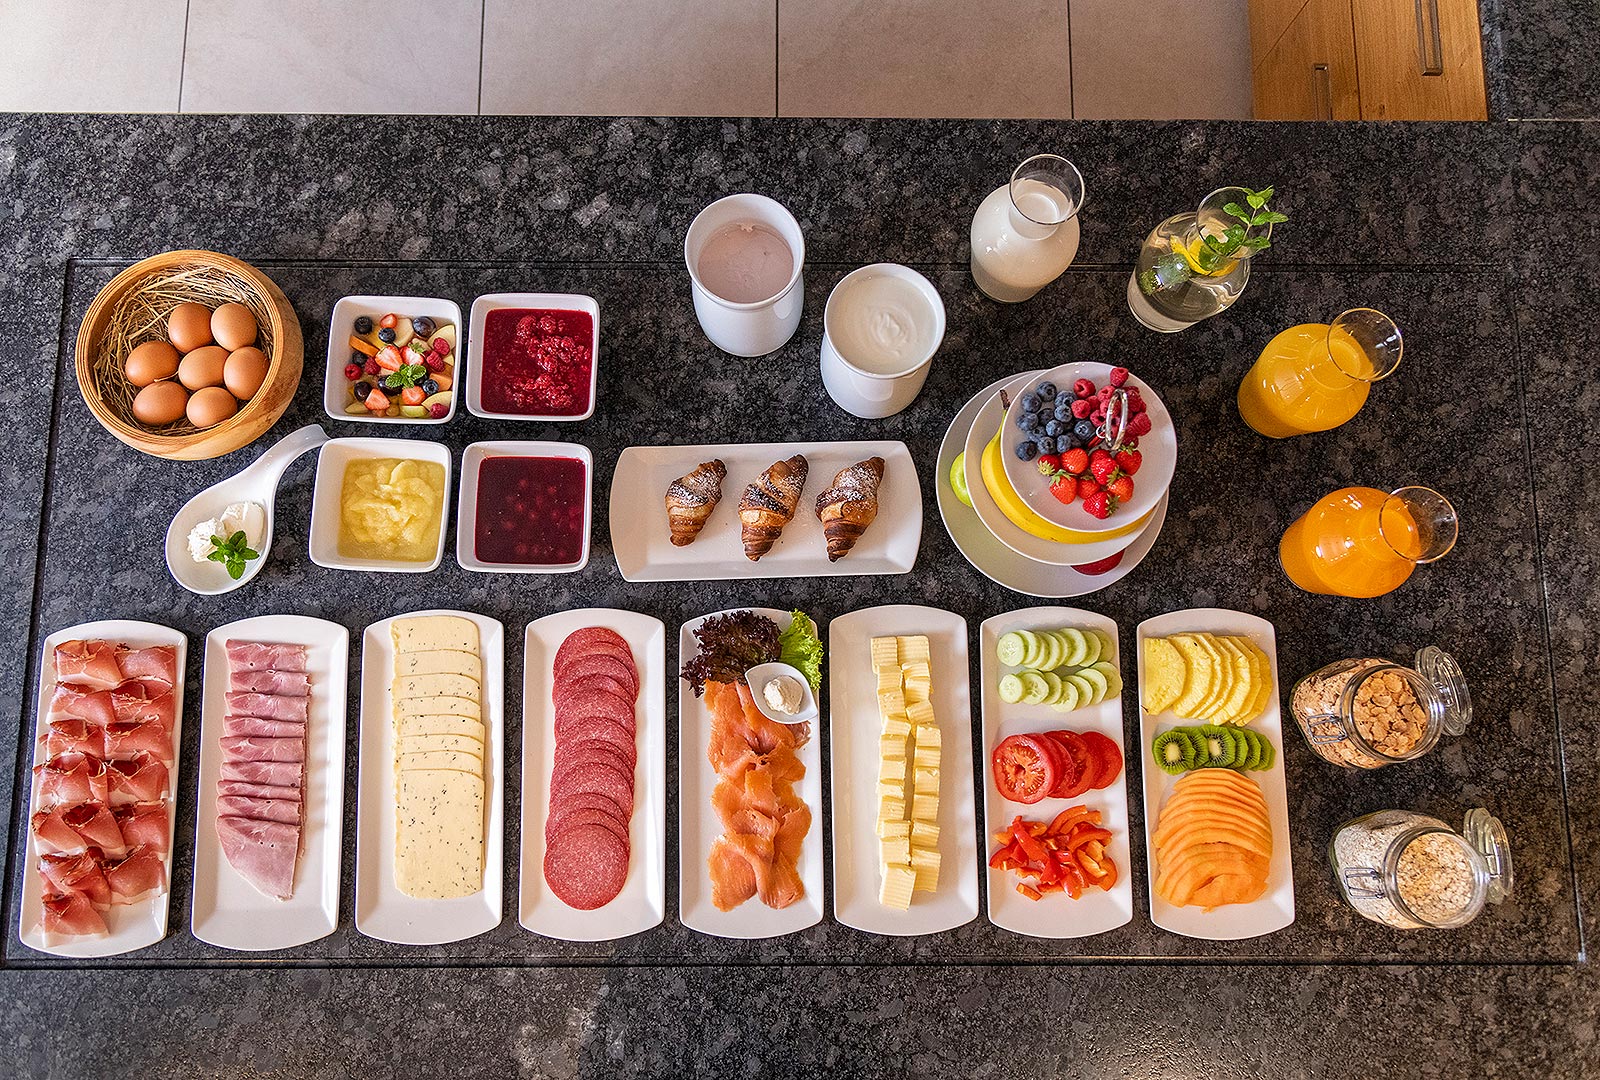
<point>1322,91</point>
<point>1429,46</point>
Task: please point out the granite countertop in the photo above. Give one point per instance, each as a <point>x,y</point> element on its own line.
<point>1476,238</point>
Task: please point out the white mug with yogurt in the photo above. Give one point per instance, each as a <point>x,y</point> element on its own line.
<point>881,328</point>
<point>745,253</point>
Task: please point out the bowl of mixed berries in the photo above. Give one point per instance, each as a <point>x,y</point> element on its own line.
<point>392,359</point>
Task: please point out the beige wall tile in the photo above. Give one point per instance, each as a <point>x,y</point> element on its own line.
<point>354,56</point>
<point>91,55</point>
<point>630,57</point>
<point>1161,59</point>
<point>966,58</point>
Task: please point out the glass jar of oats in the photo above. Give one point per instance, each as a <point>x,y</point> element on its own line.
<point>1412,871</point>
<point>1366,713</point>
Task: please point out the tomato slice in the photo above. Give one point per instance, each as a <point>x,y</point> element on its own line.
<point>1108,757</point>
<point>1025,768</point>
<point>1084,762</point>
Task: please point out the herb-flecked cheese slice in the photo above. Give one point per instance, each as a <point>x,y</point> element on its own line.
<point>438,833</point>
<point>423,633</point>
<point>428,687</point>
<point>422,744</point>
<point>437,724</point>
<point>440,759</point>
<point>439,662</point>
<point>440,706</point>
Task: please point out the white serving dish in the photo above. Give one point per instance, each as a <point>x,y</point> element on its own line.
<point>326,500</point>
<point>382,910</point>
<point>131,926</point>
<point>758,677</point>
<point>642,902</point>
<point>545,301</point>
<point>1158,449</point>
<point>853,729</point>
<point>1055,915</point>
<point>467,517</point>
<point>1275,909</point>
<point>228,911</point>
<point>995,560</point>
<point>335,393</point>
<point>640,536</point>
<point>698,826</point>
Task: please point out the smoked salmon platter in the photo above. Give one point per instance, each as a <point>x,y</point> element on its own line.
<point>902,795</point>
<point>104,785</point>
<point>269,816</point>
<point>594,778</point>
<point>749,797</point>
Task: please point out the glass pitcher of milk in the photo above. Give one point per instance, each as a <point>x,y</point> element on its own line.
<point>1025,233</point>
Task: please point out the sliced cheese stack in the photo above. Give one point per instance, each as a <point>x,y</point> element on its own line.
<point>908,770</point>
<point>440,753</point>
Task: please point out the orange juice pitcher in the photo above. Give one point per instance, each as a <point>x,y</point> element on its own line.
<point>1363,542</point>
<point>1316,376</point>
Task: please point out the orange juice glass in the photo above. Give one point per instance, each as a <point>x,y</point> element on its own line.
<point>1363,542</point>
<point>1315,376</point>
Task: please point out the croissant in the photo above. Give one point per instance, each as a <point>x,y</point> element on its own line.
<point>848,507</point>
<point>690,500</point>
<point>769,504</point>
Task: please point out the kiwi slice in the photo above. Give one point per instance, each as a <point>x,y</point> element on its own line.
<point>1236,740</point>
<point>1268,754</point>
<point>1221,749</point>
<point>1173,751</point>
<point>1253,742</point>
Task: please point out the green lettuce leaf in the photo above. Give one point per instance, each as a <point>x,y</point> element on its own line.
<point>799,645</point>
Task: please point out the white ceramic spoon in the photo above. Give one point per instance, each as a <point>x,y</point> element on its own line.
<point>256,483</point>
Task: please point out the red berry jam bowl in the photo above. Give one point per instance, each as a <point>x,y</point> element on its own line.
<point>533,356</point>
<point>525,507</point>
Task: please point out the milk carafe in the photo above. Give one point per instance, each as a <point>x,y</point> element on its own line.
<point>1026,232</point>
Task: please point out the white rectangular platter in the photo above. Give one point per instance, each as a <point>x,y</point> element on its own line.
<point>131,926</point>
<point>698,826</point>
<point>640,537</point>
<point>382,910</point>
<point>642,902</point>
<point>1275,909</point>
<point>228,910</point>
<point>853,729</point>
<point>1054,915</point>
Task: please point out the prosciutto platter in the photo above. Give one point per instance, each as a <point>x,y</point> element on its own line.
<point>105,776</point>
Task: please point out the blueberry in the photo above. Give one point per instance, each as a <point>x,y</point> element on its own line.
<point>422,325</point>
<point>1030,403</point>
<point>1084,429</point>
<point>1046,390</point>
<point>1028,424</point>
<point>430,387</point>
<point>1046,415</point>
<point>363,325</point>
<point>1055,428</point>
<point>1026,450</point>
<point>1045,443</point>
<point>1064,410</point>
<point>386,335</point>
<point>1076,442</point>
<point>358,357</point>
<point>1063,444</point>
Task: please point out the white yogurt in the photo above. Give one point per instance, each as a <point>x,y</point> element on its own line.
<point>881,323</point>
<point>240,516</point>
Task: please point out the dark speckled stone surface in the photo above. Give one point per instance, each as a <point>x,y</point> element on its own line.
<point>1478,239</point>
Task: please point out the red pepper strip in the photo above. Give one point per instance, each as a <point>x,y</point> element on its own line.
<point>1111,875</point>
<point>1031,848</point>
<point>1054,887</point>
<point>1083,836</point>
<point>1027,890</point>
<point>1091,867</point>
<point>1096,850</point>
<point>1003,837</point>
<point>1068,818</point>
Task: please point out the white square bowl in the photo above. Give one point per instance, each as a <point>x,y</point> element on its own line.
<point>326,508</point>
<point>343,325</point>
<point>467,518</point>
<point>548,302</point>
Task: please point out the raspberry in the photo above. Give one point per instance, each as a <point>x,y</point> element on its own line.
<point>1139,425</point>
<point>1082,408</point>
<point>1136,405</point>
<point>352,372</point>
<point>438,410</point>
<point>1105,392</point>
<point>1083,388</point>
<point>433,363</point>
<point>372,367</point>
<point>1118,376</point>
<point>1097,417</point>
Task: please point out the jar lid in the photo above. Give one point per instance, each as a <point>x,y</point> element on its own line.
<point>1441,669</point>
<point>1488,837</point>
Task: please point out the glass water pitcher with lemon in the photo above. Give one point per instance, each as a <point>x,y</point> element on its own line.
<point>1194,265</point>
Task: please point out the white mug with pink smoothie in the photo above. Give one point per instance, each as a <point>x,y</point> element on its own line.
<point>745,254</point>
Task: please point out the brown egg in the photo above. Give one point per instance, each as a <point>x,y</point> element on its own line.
<point>189,327</point>
<point>211,406</point>
<point>151,361</point>
<point>244,372</point>
<point>203,367</point>
<point>160,404</point>
<point>233,326</point>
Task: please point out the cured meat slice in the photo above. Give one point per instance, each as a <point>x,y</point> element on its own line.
<point>143,778</point>
<point>584,800</point>
<point>268,681</point>
<point>570,754</point>
<point>598,727</point>
<point>124,740</point>
<point>267,729</point>
<point>263,852</point>
<point>73,735</point>
<point>72,778</point>
<point>52,835</point>
<point>135,877</point>
<point>597,702</point>
<point>71,915</point>
<point>88,663</point>
<point>268,706</point>
<point>158,662</point>
<point>586,866</point>
<point>245,806</point>
<point>254,748</point>
<point>580,685</point>
<point>70,829</point>
<point>600,664</point>
<point>598,776</point>
<point>590,639</point>
<point>265,656</point>
<point>577,819</point>
<point>145,824</point>
<point>79,873</point>
<point>258,791</point>
<point>279,773</point>
<point>75,702</point>
<point>136,702</point>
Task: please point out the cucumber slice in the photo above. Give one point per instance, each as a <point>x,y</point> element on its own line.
<point>1009,649</point>
<point>1034,688</point>
<point>1086,690</point>
<point>1010,689</point>
<point>1077,648</point>
<point>1054,682</point>
<point>1053,651</point>
<point>1070,698</point>
<point>1032,648</point>
<point>1092,648</point>
<point>1113,677</point>
<point>1108,647</point>
<point>1097,679</point>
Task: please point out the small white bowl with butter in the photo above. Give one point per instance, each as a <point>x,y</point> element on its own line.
<point>781,693</point>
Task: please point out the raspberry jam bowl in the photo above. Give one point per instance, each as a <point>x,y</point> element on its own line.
<point>533,356</point>
<point>524,507</point>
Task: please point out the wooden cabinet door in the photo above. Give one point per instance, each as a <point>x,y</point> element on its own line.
<point>1420,59</point>
<point>1310,74</point>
